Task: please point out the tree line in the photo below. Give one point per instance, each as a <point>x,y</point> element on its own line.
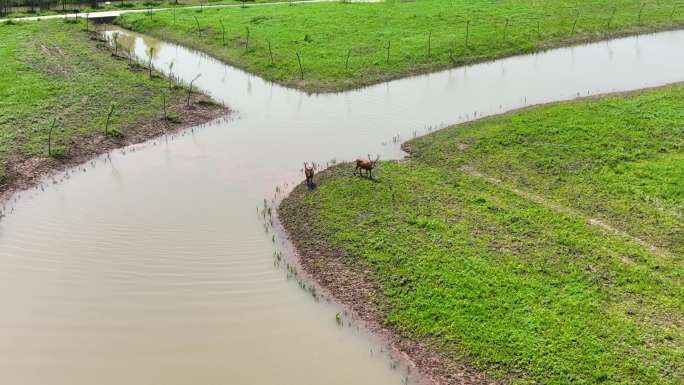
<point>9,6</point>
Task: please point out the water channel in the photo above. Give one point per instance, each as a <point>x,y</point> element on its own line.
<point>151,266</point>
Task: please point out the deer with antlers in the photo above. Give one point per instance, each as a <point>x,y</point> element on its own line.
<point>309,174</point>
<point>366,165</point>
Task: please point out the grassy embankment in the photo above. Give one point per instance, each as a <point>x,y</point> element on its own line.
<point>344,46</point>
<point>483,242</point>
<point>124,5</point>
<point>52,70</point>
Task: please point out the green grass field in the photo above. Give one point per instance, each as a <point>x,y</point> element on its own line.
<point>53,70</point>
<point>123,5</point>
<point>512,274</point>
<point>423,35</point>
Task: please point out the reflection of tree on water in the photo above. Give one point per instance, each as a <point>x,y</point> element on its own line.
<point>129,43</point>
<point>126,41</point>
<point>150,42</point>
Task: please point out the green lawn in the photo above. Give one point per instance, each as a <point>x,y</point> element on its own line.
<point>123,5</point>
<point>528,291</point>
<point>53,70</point>
<point>326,34</point>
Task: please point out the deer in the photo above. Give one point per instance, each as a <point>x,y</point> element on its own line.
<point>309,174</point>
<point>366,165</point>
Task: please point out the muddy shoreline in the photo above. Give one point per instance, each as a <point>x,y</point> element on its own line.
<point>351,284</point>
<point>25,172</point>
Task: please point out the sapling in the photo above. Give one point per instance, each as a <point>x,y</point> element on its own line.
<point>346,63</point>
<point>109,116</point>
<point>389,43</point>
<point>171,74</point>
<point>115,40</point>
<point>301,70</point>
<point>641,10</point>
<point>199,30</point>
<point>247,40</point>
<point>612,15</point>
<point>223,33</point>
<point>270,52</point>
<point>52,126</point>
<point>429,42</point>
<point>150,53</point>
<point>574,24</point>
<point>467,32</point>
<point>163,96</point>
<point>508,20</point>
<point>451,55</point>
<point>190,89</point>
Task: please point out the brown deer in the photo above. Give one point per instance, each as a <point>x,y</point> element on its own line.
<point>309,174</point>
<point>366,165</point>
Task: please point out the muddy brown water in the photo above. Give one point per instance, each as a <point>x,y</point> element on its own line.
<point>151,266</point>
